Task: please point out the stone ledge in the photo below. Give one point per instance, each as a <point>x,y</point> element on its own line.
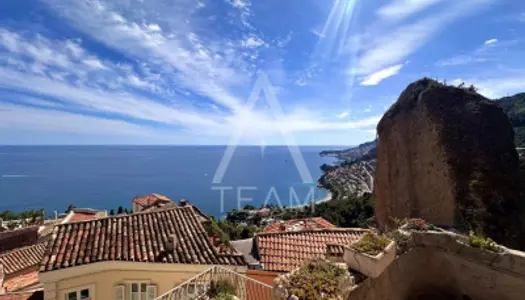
<point>510,260</point>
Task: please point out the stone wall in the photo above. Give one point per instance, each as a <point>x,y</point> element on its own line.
<point>439,267</point>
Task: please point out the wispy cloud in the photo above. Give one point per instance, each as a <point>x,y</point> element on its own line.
<point>343,115</point>
<point>505,83</point>
<point>317,33</point>
<point>254,42</point>
<point>490,50</point>
<point>377,77</point>
<point>391,45</point>
<point>17,116</point>
<point>400,9</point>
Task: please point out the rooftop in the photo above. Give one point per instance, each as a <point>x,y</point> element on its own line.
<point>17,238</point>
<point>34,295</point>
<point>85,214</point>
<point>286,251</point>
<point>138,237</point>
<point>22,258</point>
<point>299,224</point>
<point>151,199</point>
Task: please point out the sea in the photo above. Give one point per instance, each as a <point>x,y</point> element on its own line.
<point>217,179</point>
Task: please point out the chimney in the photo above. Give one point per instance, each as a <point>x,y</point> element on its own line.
<point>183,202</point>
<point>173,243</point>
<point>282,226</point>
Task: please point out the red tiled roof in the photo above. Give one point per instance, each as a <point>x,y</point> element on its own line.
<point>300,224</point>
<point>285,251</point>
<point>21,281</point>
<point>37,295</point>
<point>151,199</point>
<point>82,217</point>
<point>22,258</point>
<point>138,237</point>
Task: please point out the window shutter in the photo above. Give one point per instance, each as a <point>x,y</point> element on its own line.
<point>151,292</point>
<point>119,292</point>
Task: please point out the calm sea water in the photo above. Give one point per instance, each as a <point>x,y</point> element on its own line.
<point>52,177</point>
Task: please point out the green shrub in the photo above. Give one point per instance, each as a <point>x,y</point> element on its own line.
<point>315,278</point>
<point>483,243</point>
<point>401,240</point>
<point>221,286</point>
<point>371,244</point>
<point>223,296</point>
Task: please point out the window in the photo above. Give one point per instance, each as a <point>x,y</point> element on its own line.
<point>143,291</point>
<point>80,294</point>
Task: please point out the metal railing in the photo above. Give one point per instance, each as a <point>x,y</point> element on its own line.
<point>197,287</point>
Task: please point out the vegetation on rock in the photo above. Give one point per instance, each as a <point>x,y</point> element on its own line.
<point>479,241</point>
<point>316,279</point>
<point>371,244</point>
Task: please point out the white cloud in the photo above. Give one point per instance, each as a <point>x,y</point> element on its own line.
<point>154,27</point>
<point>387,47</point>
<point>343,115</point>
<point>244,9</point>
<point>253,42</point>
<point>506,84</point>
<point>317,33</point>
<point>377,77</point>
<point>400,9</point>
<point>52,120</point>
<point>94,63</point>
<point>490,51</point>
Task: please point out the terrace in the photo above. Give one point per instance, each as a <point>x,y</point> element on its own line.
<point>216,281</point>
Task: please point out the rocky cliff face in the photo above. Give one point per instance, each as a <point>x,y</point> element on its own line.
<point>447,155</point>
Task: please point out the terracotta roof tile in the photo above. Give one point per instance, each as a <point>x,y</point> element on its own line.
<point>37,295</point>
<point>21,281</point>
<point>300,224</point>
<point>285,251</point>
<point>138,237</point>
<point>151,199</point>
<point>22,258</point>
<point>82,217</point>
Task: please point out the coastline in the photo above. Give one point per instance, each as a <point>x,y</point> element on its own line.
<point>326,198</point>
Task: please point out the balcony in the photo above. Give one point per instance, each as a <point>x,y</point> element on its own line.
<point>198,287</point>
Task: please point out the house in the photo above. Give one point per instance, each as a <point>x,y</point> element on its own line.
<point>151,201</point>
<point>299,224</point>
<point>19,268</point>
<point>134,256</point>
<point>270,254</point>
<point>286,251</point>
<point>84,214</point>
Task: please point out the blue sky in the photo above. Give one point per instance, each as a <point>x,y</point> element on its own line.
<point>181,71</point>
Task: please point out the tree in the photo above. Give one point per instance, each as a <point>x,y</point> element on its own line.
<point>70,208</point>
<point>120,210</point>
<point>112,212</point>
<point>249,207</point>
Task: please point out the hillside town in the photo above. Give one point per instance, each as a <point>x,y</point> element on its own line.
<point>164,249</point>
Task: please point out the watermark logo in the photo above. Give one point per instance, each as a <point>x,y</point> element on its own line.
<point>264,86</point>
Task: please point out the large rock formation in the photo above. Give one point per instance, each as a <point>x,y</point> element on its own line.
<point>446,154</point>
